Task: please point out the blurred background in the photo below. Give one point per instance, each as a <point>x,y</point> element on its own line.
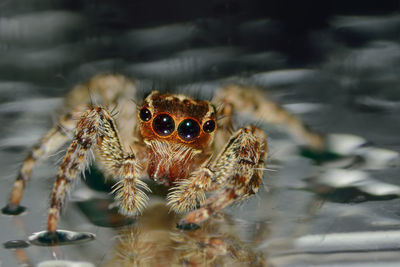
<point>335,64</point>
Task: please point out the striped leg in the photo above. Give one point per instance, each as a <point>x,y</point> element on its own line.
<point>253,101</point>
<point>50,143</point>
<point>225,125</point>
<point>130,198</point>
<point>190,192</point>
<point>237,174</point>
<point>107,90</point>
<point>97,129</point>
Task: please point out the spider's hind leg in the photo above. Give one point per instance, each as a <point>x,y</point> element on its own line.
<point>105,89</point>
<point>252,101</point>
<point>237,173</point>
<point>51,142</point>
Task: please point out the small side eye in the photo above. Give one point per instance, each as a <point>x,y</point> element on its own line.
<point>145,114</point>
<point>209,126</point>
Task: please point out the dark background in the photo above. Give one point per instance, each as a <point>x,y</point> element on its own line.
<point>294,18</point>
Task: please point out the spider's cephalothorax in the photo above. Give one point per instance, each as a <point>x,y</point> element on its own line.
<point>173,139</point>
<point>177,130</point>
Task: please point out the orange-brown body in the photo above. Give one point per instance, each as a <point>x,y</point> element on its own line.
<point>170,157</point>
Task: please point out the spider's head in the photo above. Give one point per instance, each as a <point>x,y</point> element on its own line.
<point>177,119</point>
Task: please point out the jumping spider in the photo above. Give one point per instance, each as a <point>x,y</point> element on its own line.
<point>186,144</point>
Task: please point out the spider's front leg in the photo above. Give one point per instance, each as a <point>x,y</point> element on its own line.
<point>97,129</point>
<point>234,175</point>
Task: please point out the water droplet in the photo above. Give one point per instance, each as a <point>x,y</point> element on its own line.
<point>59,238</point>
<point>13,210</point>
<point>15,244</point>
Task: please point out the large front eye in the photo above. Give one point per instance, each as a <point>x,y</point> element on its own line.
<point>163,124</point>
<point>188,129</point>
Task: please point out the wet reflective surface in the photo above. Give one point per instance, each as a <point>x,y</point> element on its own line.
<point>59,238</point>
<point>155,241</point>
<point>337,207</point>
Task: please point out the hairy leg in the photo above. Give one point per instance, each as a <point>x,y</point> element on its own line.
<point>235,174</point>
<point>112,91</point>
<point>97,129</point>
<point>106,89</point>
<point>225,125</point>
<point>253,101</point>
<point>51,142</point>
<point>188,193</point>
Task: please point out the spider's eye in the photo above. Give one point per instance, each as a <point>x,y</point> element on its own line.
<point>188,129</point>
<point>209,126</point>
<point>163,124</point>
<point>145,114</point>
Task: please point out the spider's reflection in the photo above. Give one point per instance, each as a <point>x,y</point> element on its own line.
<point>155,241</point>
